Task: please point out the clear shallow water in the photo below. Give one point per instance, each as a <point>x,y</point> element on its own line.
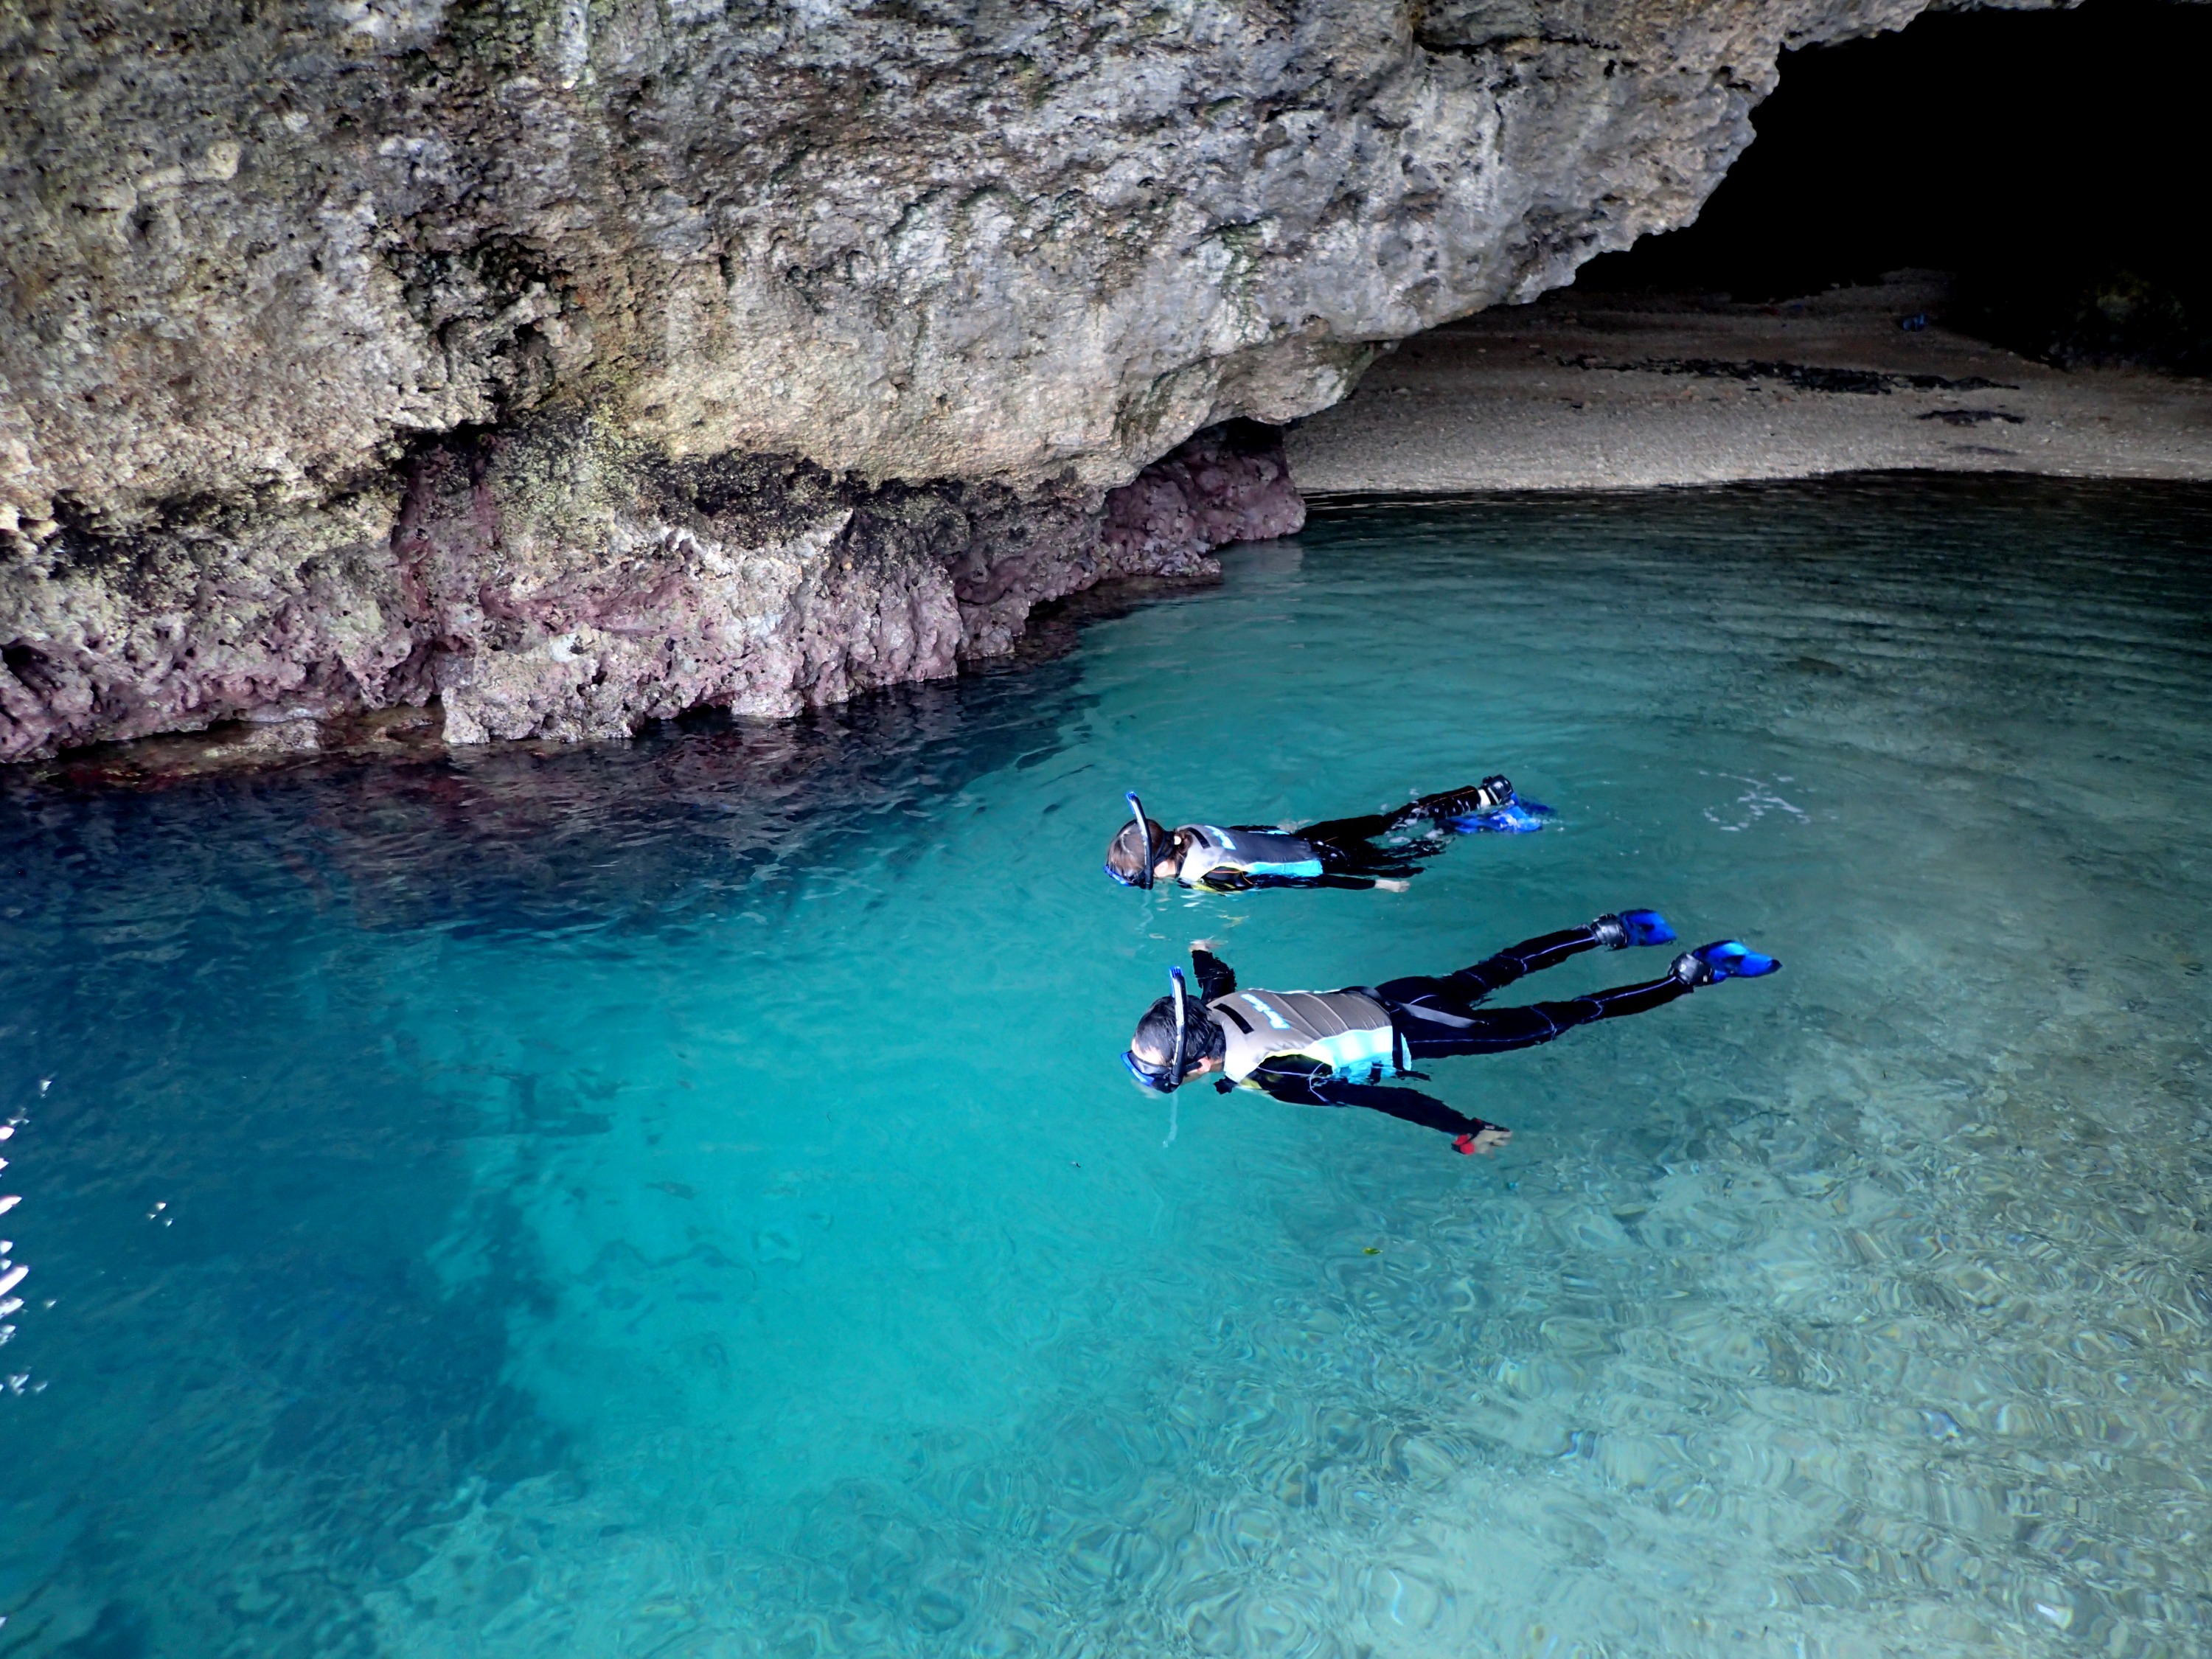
<point>680,1199</point>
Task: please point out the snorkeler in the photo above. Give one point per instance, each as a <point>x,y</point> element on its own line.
<point>1334,1047</point>
<point>1342,853</point>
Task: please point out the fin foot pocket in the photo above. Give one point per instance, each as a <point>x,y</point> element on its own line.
<point>1724,958</point>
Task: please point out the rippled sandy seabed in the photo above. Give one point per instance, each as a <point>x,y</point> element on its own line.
<point>680,1199</point>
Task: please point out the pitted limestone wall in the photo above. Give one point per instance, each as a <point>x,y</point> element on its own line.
<point>263,260</point>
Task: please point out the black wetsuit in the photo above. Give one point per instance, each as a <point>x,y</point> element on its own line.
<point>1348,849</point>
<point>1439,1015</point>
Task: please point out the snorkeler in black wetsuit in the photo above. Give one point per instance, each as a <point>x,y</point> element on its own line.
<point>1379,850</point>
<point>1335,1048</point>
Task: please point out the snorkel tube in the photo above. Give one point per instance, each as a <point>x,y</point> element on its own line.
<point>1145,836</point>
<point>1167,1076</point>
<point>1183,1026</point>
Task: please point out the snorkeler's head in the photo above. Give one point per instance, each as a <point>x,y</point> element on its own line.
<point>1153,1059</point>
<point>1137,849</point>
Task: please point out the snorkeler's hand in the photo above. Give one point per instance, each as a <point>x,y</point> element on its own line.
<point>1216,978</point>
<point>1392,885</point>
<point>1483,1142</point>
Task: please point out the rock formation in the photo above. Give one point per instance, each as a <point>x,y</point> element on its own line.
<point>576,361</point>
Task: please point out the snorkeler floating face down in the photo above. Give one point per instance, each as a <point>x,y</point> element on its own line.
<point>1142,852</point>
<point>1381,849</point>
<point>1175,1041</point>
<point>1338,1047</point>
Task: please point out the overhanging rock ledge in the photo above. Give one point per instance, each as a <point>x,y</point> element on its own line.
<point>576,361</point>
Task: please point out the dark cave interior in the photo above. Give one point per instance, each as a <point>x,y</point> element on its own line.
<point>2052,160</point>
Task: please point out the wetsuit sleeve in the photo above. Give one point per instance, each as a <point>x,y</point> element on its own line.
<point>1289,1081</point>
<point>1216,978</point>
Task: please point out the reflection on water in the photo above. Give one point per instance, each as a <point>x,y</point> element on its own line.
<point>679,1198</point>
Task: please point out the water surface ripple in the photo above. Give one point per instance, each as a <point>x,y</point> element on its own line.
<point>679,1198</point>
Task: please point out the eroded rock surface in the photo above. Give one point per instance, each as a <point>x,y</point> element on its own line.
<point>566,361</point>
<point>554,580</point>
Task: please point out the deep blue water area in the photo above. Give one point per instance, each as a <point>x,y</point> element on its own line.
<point>680,1198</point>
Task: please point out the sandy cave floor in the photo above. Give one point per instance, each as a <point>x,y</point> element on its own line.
<point>1579,391</point>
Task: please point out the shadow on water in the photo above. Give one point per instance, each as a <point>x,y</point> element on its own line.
<point>539,837</point>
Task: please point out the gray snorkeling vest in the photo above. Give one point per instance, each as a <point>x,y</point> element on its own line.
<point>1348,1032</point>
<point>1248,852</point>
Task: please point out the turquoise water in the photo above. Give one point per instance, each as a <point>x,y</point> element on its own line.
<point>680,1198</point>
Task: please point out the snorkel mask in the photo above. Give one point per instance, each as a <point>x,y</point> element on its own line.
<point>1166,1078</point>
<point>1144,839</point>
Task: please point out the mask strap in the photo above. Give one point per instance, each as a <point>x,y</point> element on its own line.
<point>1182,1022</point>
<point>1144,835</point>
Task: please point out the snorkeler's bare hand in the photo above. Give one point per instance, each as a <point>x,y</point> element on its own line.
<point>1392,885</point>
<point>1483,1142</point>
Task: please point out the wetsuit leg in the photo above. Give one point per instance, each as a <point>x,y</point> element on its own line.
<point>1457,993</point>
<point>1495,1030</point>
<point>1359,865</point>
<point>1348,833</point>
<point>1469,801</point>
<point>1351,839</point>
<point>1463,802</point>
<point>1347,848</point>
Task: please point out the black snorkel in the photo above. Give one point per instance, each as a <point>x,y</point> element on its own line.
<point>1145,838</point>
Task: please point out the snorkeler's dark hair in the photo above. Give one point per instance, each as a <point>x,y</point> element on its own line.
<point>1202,1040</point>
<point>1125,854</point>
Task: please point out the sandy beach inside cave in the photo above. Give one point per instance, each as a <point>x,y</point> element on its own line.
<point>1582,391</point>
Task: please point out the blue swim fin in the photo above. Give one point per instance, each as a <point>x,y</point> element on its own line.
<point>1515,818</point>
<point>1647,927</point>
<point>1731,959</point>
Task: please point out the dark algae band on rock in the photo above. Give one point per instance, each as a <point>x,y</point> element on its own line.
<point>552,580</point>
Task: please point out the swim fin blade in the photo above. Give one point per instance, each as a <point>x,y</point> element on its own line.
<point>1515,818</point>
<point>1731,959</point>
<point>1647,927</point>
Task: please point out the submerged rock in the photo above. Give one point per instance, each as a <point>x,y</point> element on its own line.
<point>568,362</point>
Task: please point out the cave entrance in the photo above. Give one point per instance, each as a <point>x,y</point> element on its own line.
<point>2051,160</point>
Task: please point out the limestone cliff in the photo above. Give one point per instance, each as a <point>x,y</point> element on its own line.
<point>578,361</point>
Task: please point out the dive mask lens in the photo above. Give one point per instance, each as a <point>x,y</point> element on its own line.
<point>1149,1076</point>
